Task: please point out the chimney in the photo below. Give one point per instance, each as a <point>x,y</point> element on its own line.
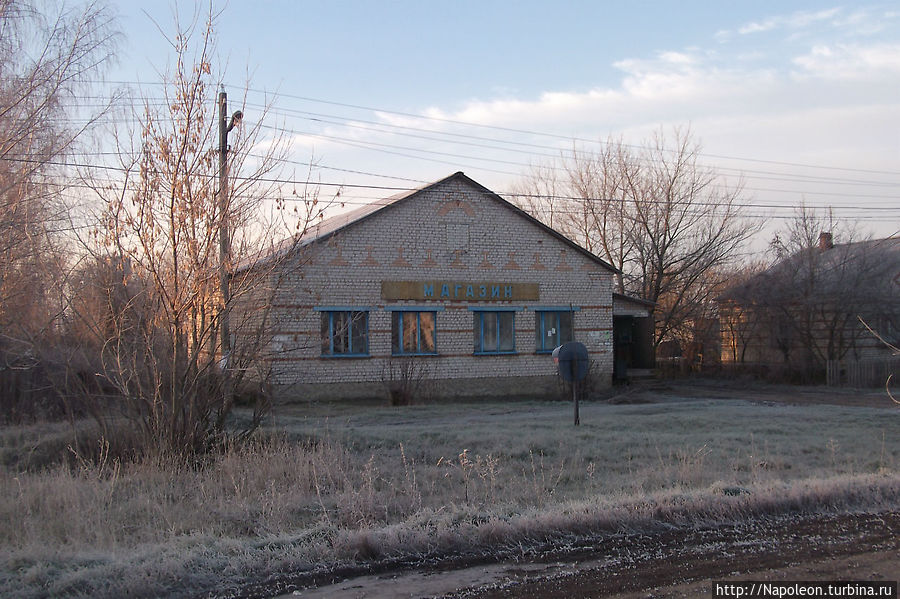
<point>825,241</point>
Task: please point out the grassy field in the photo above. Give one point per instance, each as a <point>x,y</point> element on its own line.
<point>341,484</point>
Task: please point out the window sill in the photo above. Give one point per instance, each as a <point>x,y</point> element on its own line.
<point>496,353</point>
<point>422,355</point>
<point>344,356</point>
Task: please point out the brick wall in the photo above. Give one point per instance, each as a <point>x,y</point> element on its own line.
<point>450,231</point>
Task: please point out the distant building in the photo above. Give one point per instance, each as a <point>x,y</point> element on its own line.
<point>451,278</point>
<point>807,309</point>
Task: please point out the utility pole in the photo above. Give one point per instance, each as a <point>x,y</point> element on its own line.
<point>225,235</point>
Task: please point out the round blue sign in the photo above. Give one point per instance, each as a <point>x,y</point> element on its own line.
<point>572,360</point>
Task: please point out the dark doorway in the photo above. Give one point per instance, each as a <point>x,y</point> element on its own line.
<point>632,347</point>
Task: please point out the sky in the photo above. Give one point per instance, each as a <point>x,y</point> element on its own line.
<point>797,101</point>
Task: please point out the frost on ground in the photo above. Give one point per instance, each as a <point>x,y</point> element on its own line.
<point>672,562</point>
<point>683,563</point>
<point>341,490</point>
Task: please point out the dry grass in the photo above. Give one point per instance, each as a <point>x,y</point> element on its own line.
<point>339,484</point>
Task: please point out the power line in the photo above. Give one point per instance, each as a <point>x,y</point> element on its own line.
<point>542,134</point>
<point>401,151</point>
<point>385,128</point>
<point>294,182</point>
<point>553,135</point>
<point>382,128</point>
<point>397,188</point>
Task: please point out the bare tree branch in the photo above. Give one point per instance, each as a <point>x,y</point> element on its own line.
<point>666,222</point>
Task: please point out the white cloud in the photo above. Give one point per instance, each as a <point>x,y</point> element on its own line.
<point>860,22</point>
<point>681,87</point>
<point>829,103</point>
<point>797,20</point>
<point>801,110</point>
<point>677,58</point>
<point>757,27</point>
<point>850,62</point>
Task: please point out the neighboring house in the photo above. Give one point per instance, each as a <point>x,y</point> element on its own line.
<point>805,310</point>
<point>450,277</point>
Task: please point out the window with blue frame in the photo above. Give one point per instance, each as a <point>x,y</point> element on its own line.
<point>413,333</point>
<point>345,333</point>
<point>495,332</point>
<point>552,329</point>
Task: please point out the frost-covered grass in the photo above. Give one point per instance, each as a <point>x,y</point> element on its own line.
<point>340,484</point>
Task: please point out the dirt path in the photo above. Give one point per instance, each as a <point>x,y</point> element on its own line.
<point>683,563</point>
<point>675,563</point>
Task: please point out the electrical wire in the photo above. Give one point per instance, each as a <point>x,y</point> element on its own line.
<point>417,133</point>
<point>483,142</point>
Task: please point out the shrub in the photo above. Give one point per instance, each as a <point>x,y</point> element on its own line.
<point>406,380</point>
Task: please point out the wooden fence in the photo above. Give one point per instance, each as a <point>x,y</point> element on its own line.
<point>870,372</point>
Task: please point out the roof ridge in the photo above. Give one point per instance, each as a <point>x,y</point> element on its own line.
<point>339,222</point>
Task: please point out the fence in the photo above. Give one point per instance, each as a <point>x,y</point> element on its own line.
<point>871,372</point>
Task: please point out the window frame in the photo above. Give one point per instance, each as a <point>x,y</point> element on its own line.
<point>330,312</point>
<point>397,317</point>
<point>478,331</point>
<point>540,346</point>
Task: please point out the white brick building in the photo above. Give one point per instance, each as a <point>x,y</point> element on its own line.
<point>451,277</point>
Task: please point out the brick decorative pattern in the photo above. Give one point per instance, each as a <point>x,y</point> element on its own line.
<point>408,241</point>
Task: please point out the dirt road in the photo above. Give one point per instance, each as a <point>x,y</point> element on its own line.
<point>678,563</point>
<point>684,563</point>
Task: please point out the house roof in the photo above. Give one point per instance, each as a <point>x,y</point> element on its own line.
<point>336,224</point>
<point>873,264</point>
<point>635,300</point>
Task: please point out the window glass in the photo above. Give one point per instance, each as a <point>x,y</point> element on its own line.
<point>360,332</point>
<point>507,337</point>
<point>566,329</point>
<point>494,332</point>
<point>427,329</point>
<point>340,332</point>
<point>344,333</point>
<point>552,329</point>
<point>412,333</point>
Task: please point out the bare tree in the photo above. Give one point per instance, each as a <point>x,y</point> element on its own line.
<point>584,195</point>
<point>161,228</point>
<point>654,212</point>
<point>823,279</point>
<point>740,326</point>
<point>48,55</point>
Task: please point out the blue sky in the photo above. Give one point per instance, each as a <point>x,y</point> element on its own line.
<point>800,100</point>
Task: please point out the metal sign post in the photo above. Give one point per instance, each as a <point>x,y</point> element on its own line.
<point>575,402</point>
<point>572,362</point>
